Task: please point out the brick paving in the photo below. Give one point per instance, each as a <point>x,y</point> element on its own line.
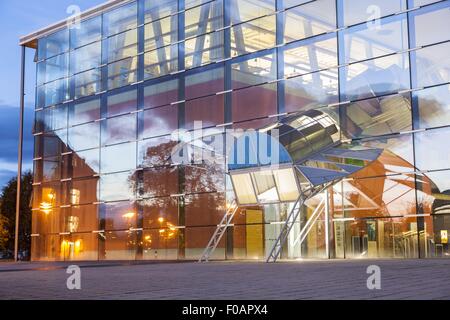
<point>346,279</point>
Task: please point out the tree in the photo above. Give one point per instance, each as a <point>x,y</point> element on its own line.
<point>8,211</point>
<point>4,233</point>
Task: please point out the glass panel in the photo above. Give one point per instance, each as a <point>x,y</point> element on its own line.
<point>309,20</point>
<point>430,24</point>
<point>56,92</point>
<point>161,61</point>
<point>311,57</point>
<point>367,10</point>
<point>422,2</point>
<point>47,221</point>
<point>366,42</point>
<point>207,112</point>
<point>120,129</point>
<point>204,209</point>
<point>84,191</point>
<point>117,186</point>
<point>53,69</point>
<point>161,94</point>
<point>375,238</point>
<point>84,112</point>
<point>254,102</point>
<point>48,196</point>
<point>311,90</point>
<point>204,49</point>
<point>197,182</point>
<point>88,31</point>
<point>160,121</point>
<point>37,171</point>
<point>397,156</point>
<point>433,65</point>
<point>204,19</point>
<point>433,149</point>
<point>122,46</point>
<point>88,83</point>
<point>291,3</point>
<point>204,83</point>
<point>244,10</point>
<point>156,9</point>
<point>368,78</point>
<point>378,116</point>
<point>160,213</point>
<point>433,192</point>
<point>243,188</point>
<point>161,33</point>
<point>113,159</point>
<point>286,184</point>
<point>54,44</point>
<point>55,118</point>
<point>81,218</point>
<point>264,183</point>
<point>122,73</point>
<point>122,103</point>
<point>254,71</point>
<point>85,163</point>
<point>155,152</point>
<point>46,248</point>
<point>161,244</point>
<point>253,36</point>
<point>392,195</point>
<point>120,19</point>
<point>86,136</point>
<point>85,58</point>
<point>196,240</point>
<point>80,247</point>
<point>54,143</point>
<point>434,106</point>
<point>120,215</point>
<point>120,245</point>
<point>51,169</point>
<point>159,182</point>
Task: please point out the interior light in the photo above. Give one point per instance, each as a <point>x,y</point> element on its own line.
<point>128,215</point>
<point>161,219</point>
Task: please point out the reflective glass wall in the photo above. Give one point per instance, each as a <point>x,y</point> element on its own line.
<point>112,91</point>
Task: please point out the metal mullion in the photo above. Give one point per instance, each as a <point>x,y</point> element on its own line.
<point>281,87</point>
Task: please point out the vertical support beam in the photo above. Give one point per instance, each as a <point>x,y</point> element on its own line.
<point>413,81</point>
<point>19,162</point>
<point>281,23</point>
<point>181,125</point>
<point>327,220</point>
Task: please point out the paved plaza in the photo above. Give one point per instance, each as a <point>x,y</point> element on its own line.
<point>346,279</point>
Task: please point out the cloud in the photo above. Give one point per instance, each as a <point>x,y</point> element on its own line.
<point>9,135</point>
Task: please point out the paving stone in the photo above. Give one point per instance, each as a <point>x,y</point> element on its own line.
<point>400,279</point>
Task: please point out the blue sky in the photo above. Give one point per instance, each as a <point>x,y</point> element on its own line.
<point>18,18</point>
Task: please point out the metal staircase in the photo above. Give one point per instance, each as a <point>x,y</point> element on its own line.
<point>219,232</point>
<point>290,221</point>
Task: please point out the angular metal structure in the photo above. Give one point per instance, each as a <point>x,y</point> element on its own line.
<point>291,160</point>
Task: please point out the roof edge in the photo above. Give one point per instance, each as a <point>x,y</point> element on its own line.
<point>30,40</point>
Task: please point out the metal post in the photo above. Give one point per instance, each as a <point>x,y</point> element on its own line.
<point>327,221</point>
<point>19,165</point>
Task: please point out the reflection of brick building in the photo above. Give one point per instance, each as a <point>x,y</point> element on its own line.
<point>111,94</point>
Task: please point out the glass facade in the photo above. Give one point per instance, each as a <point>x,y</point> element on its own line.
<point>114,95</point>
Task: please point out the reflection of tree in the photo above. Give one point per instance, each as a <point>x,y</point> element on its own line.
<point>159,179</point>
